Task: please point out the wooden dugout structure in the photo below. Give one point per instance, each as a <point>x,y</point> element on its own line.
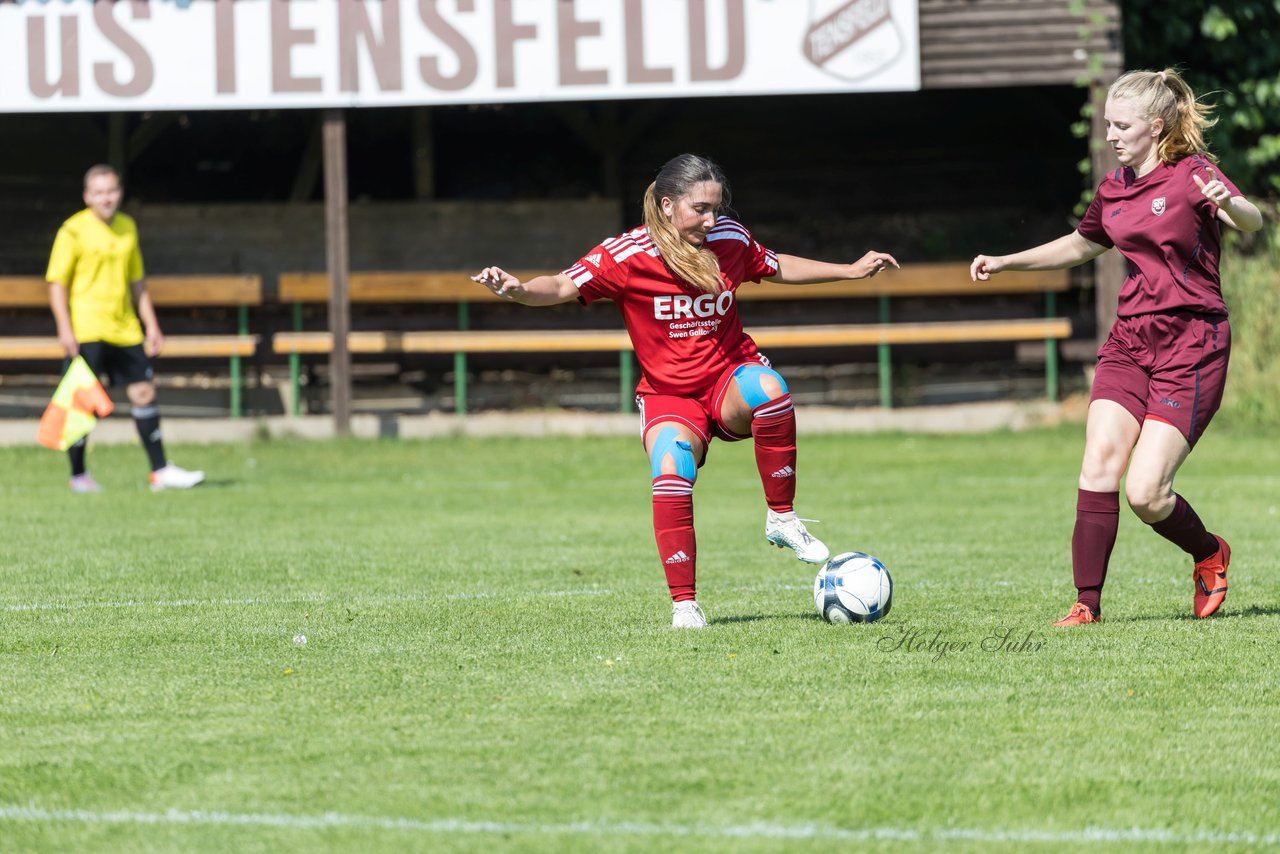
<point>963,44</point>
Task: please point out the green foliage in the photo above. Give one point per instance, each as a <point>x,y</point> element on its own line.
<point>490,666</point>
<point>1251,286</point>
<point>1230,55</point>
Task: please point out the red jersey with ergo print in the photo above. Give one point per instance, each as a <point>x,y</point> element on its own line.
<point>684,338</point>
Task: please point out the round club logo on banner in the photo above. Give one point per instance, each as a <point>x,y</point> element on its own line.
<point>851,39</point>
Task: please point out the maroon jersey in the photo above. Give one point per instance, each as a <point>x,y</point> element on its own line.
<point>684,338</point>
<point>1167,231</point>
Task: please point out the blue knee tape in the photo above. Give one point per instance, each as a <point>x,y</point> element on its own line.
<point>748,379</point>
<point>680,451</point>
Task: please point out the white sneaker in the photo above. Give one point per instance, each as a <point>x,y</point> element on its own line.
<point>174,477</point>
<point>784,530</point>
<point>84,483</point>
<point>687,615</point>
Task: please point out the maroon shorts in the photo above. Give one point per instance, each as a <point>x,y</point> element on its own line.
<point>701,413</point>
<point>1166,367</point>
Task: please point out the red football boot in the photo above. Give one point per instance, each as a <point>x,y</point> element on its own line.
<point>1210,577</point>
<point>1078,616</point>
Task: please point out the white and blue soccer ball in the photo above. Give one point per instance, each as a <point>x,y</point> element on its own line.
<point>853,587</point>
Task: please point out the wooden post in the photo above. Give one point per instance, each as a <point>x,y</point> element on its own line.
<point>424,155</point>
<point>117,145</point>
<point>338,262</point>
<point>304,180</point>
<point>1109,267</point>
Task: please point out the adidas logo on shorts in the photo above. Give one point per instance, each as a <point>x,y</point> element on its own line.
<point>594,258</point>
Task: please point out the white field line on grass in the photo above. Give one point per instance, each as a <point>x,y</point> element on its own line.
<point>280,600</point>
<point>109,604</point>
<point>755,830</point>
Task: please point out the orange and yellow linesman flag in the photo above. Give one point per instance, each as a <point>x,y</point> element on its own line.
<point>77,404</point>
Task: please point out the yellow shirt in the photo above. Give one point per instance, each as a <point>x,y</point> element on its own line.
<point>97,262</point>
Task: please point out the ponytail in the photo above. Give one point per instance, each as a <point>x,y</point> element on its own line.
<point>1165,95</point>
<point>697,266</point>
<point>1185,135</point>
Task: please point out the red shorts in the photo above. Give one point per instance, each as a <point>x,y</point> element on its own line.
<point>701,414</point>
<point>1166,367</point>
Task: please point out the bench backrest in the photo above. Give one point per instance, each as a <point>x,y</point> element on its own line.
<point>445,286</point>
<point>391,287</point>
<point>33,292</point>
<point>934,280</point>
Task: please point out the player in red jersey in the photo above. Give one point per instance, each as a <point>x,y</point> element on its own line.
<point>674,279</point>
<point>1161,372</point>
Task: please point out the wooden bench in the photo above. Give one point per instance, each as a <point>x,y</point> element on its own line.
<point>452,287</point>
<point>238,291</point>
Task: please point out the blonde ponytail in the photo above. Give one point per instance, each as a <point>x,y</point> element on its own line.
<point>1165,95</point>
<point>697,266</point>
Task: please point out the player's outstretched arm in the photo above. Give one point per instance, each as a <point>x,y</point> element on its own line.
<point>1069,250</point>
<point>794,270</point>
<point>540,290</point>
<point>1236,211</point>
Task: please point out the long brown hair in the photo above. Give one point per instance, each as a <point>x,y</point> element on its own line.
<point>697,266</point>
<point>1165,95</point>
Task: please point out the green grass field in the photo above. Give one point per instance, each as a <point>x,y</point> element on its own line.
<point>490,663</point>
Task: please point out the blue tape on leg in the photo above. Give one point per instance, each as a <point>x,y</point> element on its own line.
<point>748,379</point>
<point>680,451</point>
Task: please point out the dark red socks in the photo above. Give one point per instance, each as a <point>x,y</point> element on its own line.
<point>1097,520</point>
<point>1184,529</point>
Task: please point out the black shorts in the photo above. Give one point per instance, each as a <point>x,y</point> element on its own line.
<point>124,365</point>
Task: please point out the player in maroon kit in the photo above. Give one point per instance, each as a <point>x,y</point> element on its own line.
<point>1161,372</point>
<point>674,279</point>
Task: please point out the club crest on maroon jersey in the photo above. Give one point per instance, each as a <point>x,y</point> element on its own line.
<point>1157,206</point>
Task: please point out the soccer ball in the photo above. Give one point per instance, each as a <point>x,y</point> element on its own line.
<point>853,588</point>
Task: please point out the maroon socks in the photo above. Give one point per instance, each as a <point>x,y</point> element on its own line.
<point>1184,529</point>
<point>1098,517</point>
<point>1097,520</point>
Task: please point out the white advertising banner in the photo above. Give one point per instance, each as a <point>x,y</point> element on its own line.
<point>80,55</point>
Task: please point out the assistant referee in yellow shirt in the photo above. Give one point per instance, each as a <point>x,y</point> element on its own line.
<point>101,306</point>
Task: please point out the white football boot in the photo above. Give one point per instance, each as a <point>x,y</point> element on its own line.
<point>687,615</point>
<point>786,531</point>
<point>174,477</point>
<point>84,483</point>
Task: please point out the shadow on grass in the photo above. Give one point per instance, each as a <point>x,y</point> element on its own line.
<point>1251,611</point>
<point>1224,613</point>
<point>755,618</point>
<point>212,483</point>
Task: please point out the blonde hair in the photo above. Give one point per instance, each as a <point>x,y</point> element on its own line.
<point>697,266</point>
<point>1165,95</point>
